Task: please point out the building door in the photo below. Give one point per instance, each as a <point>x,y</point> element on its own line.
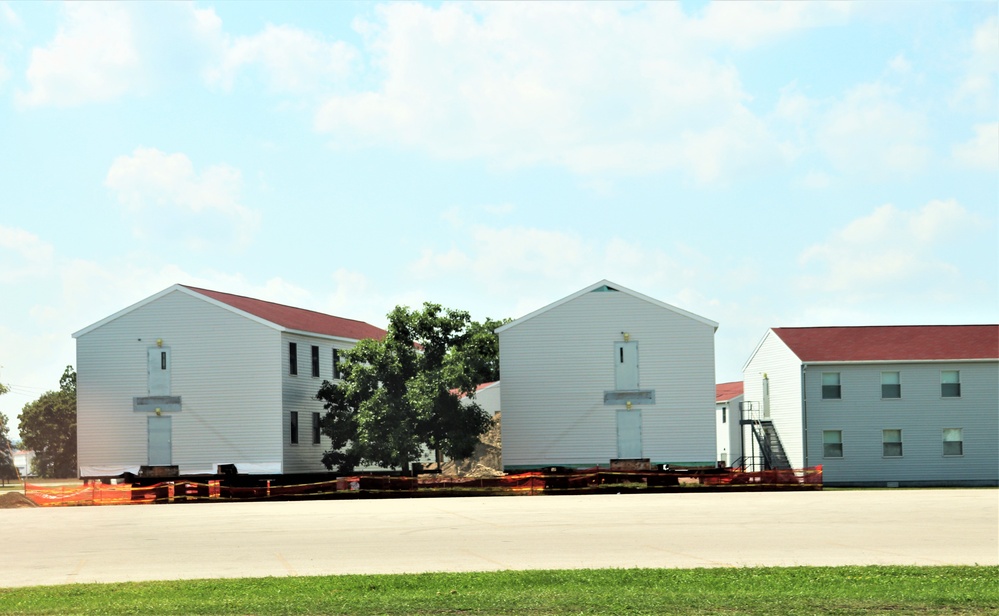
<point>625,365</point>
<point>159,371</point>
<point>629,435</point>
<point>160,441</point>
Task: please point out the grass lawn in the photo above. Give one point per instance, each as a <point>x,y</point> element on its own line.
<point>796,590</point>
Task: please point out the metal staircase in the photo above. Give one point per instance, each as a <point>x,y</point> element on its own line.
<point>774,456</point>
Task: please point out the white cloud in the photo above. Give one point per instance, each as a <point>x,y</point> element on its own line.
<point>890,252</point>
<point>517,269</point>
<point>982,151</point>
<point>8,17</point>
<point>22,255</point>
<point>978,84</point>
<point>815,180</point>
<point>590,87</point>
<point>869,132</point>
<point>749,24</point>
<point>899,64</point>
<point>102,51</point>
<point>168,199</point>
<point>290,60</point>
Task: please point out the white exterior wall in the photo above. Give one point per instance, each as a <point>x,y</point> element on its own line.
<point>300,395</point>
<point>225,367</point>
<point>922,415</point>
<point>727,433</point>
<point>557,364</point>
<point>783,370</point>
<point>488,399</point>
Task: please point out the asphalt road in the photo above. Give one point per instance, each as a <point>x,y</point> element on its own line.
<point>61,545</point>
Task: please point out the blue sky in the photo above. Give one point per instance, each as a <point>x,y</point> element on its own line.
<point>758,164</point>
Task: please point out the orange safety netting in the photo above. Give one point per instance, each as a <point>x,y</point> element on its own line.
<point>586,480</point>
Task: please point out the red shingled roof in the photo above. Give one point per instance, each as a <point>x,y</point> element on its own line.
<point>892,343</point>
<point>296,318</point>
<point>727,391</point>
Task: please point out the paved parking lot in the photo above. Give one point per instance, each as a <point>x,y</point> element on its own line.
<point>211,540</point>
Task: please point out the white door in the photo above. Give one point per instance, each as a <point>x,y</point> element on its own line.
<point>159,371</point>
<point>625,365</point>
<point>629,435</point>
<point>160,441</point>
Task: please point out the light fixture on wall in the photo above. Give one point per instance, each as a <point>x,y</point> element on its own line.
<point>159,411</point>
<point>628,404</point>
<point>626,335</point>
<point>159,342</point>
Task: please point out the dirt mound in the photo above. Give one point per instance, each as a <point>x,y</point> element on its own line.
<point>486,461</point>
<point>15,500</point>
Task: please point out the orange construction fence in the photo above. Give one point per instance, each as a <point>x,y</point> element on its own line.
<point>583,481</point>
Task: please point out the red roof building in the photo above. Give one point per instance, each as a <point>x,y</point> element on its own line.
<point>891,405</point>
<point>892,342</point>
<point>727,391</point>
<point>296,319</point>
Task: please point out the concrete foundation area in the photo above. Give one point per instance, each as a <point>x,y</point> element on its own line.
<point>59,545</point>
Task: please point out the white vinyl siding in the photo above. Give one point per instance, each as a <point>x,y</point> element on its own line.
<point>920,414</point>
<point>222,365</point>
<point>299,395</point>
<point>557,364</point>
<point>783,371</point>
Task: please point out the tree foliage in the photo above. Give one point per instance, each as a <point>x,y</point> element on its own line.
<point>400,396</point>
<point>7,469</point>
<point>48,426</point>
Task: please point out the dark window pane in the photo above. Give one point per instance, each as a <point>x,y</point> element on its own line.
<point>315,428</point>
<point>893,450</point>
<point>292,358</point>
<point>891,391</point>
<point>953,448</point>
<point>832,450</point>
<point>830,392</point>
<point>315,361</point>
<point>294,427</point>
<point>950,390</point>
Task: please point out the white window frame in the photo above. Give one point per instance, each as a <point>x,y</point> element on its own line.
<point>838,386</point>
<point>957,382</point>
<point>898,384</point>
<point>959,441</point>
<point>885,443</point>
<point>826,443</point>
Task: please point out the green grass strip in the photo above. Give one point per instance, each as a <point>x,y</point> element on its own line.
<point>770,590</point>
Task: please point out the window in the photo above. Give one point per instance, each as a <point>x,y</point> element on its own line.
<point>294,427</point>
<point>950,383</point>
<point>891,443</point>
<point>315,360</point>
<point>830,386</point>
<point>724,413</point>
<point>292,358</point>
<point>336,364</point>
<point>832,443</point>
<point>953,442</point>
<point>315,428</point>
<point>891,385</point>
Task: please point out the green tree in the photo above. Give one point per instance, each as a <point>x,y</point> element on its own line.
<point>400,396</point>
<point>48,426</point>
<point>7,470</point>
